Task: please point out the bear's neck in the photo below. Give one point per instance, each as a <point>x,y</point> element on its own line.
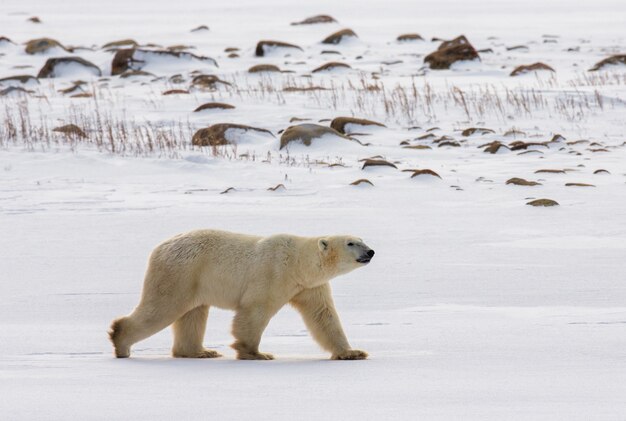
<point>317,271</point>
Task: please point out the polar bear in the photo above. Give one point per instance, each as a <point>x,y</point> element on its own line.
<point>254,276</point>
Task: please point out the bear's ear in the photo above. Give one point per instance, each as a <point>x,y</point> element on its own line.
<point>323,244</point>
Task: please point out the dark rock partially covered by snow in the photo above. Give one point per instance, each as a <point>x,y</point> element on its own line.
<point>449,52</point>
<point>67,66</point>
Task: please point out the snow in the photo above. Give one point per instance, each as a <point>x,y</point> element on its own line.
<point>476,306</point>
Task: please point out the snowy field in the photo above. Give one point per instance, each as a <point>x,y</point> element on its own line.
<point>476,305</point>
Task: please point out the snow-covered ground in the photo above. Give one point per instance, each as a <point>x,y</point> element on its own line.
<point>476,305</point>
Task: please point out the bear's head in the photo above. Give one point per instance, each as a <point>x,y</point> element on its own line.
<point>344,253</point>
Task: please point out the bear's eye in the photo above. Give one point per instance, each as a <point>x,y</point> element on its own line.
<point>350,244</point>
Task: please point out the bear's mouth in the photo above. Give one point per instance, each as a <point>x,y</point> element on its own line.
<point>364,259</point>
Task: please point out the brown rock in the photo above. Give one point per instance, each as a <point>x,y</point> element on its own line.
<point>263,46</point>
<point>472,130</point>
<point>213,106</point>
<point>49,69</point>
<point>601,171</point>
<point>377,163</point>
<point>494,147</point>
<point>176,92</point>
<point>313,20</point>
<point>277,187</point>
<point>340,123</point>
<point>34,19</point>
<point>127,43</point>
<point>260,68</point>
<point>331,65</point>
<point>543,202</point>
<point>19,78</point>
<point>338,36</point>
<point>200,28</point>
<point>521,182</point>
<point>208,81</point>
<point>417,173</point>
<point>215,135</point>
<point>71,130</point>
<point>409,37</point>
<point>550,172</point>
<point>578,185</point>
<point>520,70</point>
<point>361,181</point>
<point>420,147</point>
<point>450,52</point>
<point>135,58</point>
<point>41,45</point>
<point>609,61</point>
<point>306,133</point>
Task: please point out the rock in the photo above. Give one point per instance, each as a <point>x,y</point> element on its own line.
<point>261,68</point>
<point>176,92</point>
<point>263,47</point>
<point>306,133</point>
<point>277,187</point>
<point>215,135</point>
<point>200,28</point>
<point>543,202</point>
<point>494,147</point>
<point>449,143</point>
<point>71,130</point>
<point>313,20</point>
<point>520,70</point>
<point>41,45</point>
<point>339,36</point>
<point>5,40</point>
<point>34,19</point>
<point>123,43</point>
<point>417,173</point>
<point>578,185</point>
<point>609,61</point>
<point>450,52</point>
<point>14,90</point>
<point>514,133</point>
<point>19,78</point>
<point>134,73</point>
<point>377,163</point>
<point>601,171</point>
<point>550,172</point>
<point>521,182</point>
<point>420,147</point>
<point>340,123</point>
<point>330,66</point>
<point>208,81</point>
<point>54,66</point>
<point>135,58</point>
<point>519,145</point>
<point>214,106</point>
<point>472,130</point>
<point>361,181</point>
<point>409,37</point>
<point>517,47</point>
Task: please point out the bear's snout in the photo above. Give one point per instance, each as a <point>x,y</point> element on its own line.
<point>365,258</point>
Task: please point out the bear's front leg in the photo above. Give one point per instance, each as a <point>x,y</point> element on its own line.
<point>318,311</point>
<point>248,326</point>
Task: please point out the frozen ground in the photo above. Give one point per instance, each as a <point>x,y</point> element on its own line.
<point>476,305</point>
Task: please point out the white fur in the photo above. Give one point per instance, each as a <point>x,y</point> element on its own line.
<point>254,276</point>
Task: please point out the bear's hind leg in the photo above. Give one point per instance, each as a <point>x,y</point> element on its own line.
<point>139,325</point>
<point>189,334</point>
<point>248,326</point>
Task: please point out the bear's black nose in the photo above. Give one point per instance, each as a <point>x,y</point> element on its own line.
<point>370,253</point>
